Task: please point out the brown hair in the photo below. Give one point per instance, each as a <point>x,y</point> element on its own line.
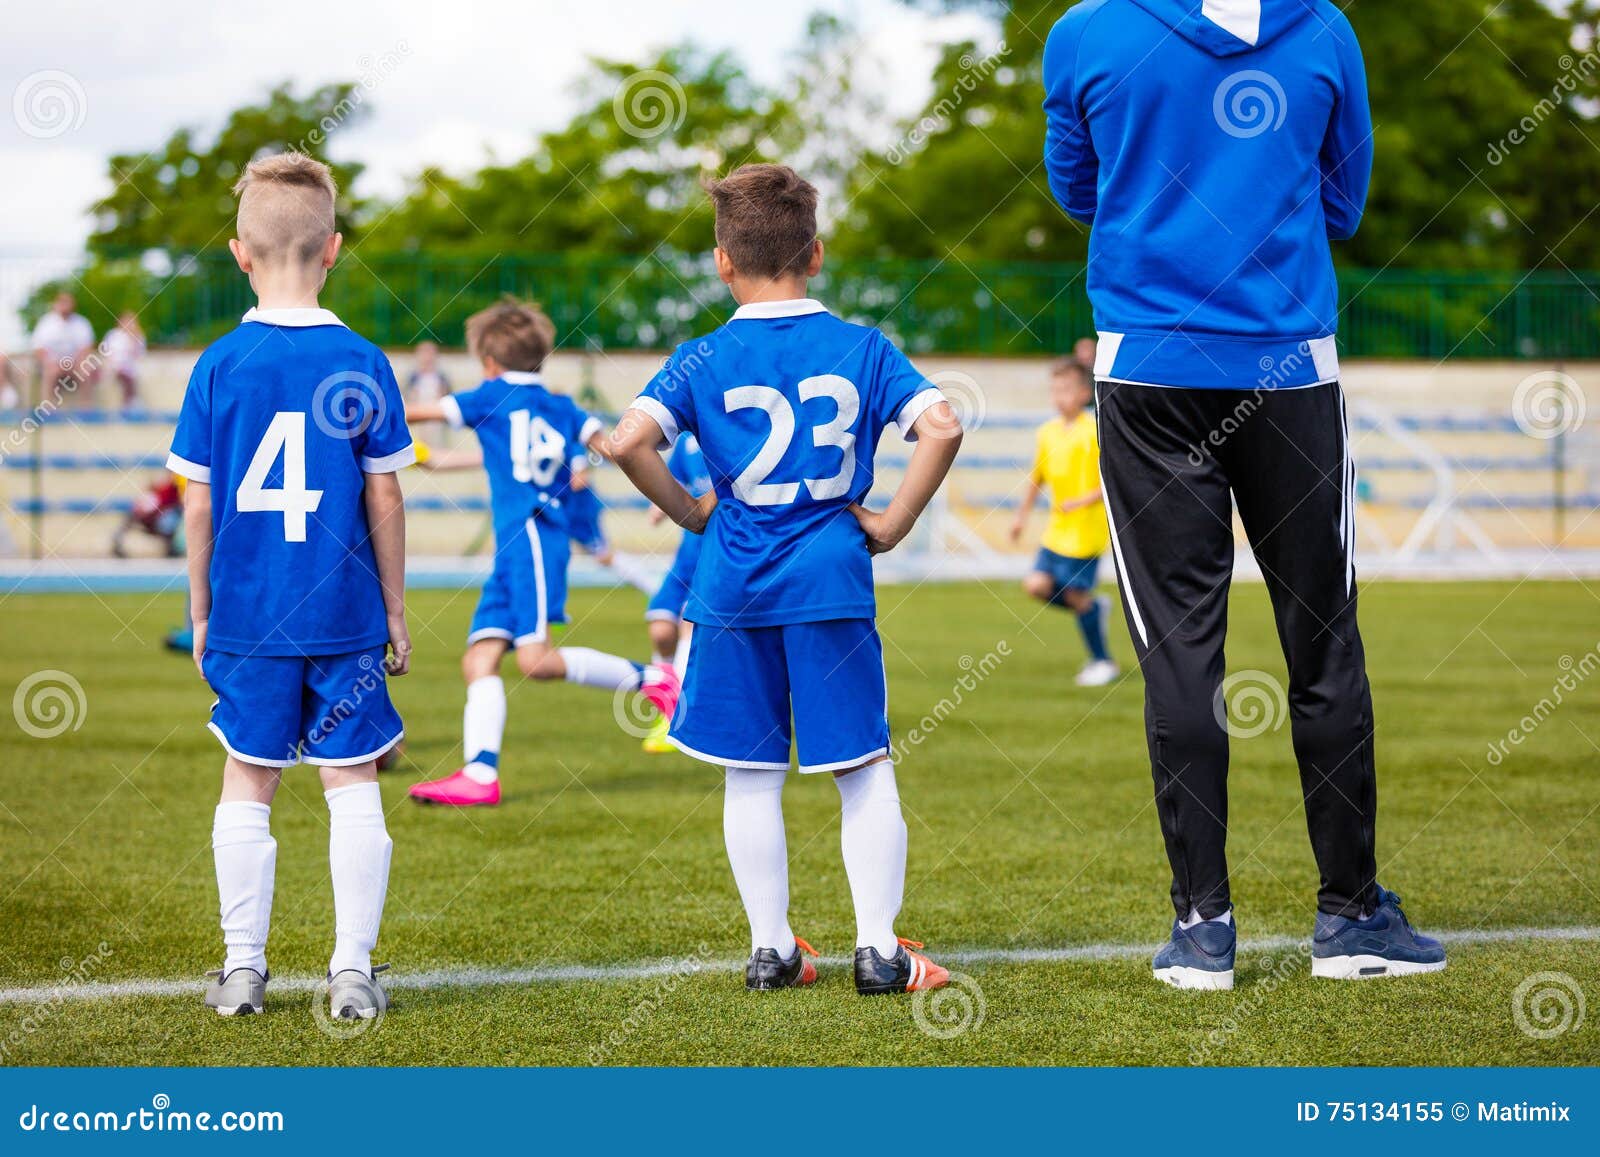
<point>517,335</point>
<point>766,219</point>
<point>1072,366</point>
<point>285,208</point>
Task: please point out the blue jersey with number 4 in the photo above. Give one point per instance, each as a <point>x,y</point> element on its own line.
<point>284,418</point>
<point>532,441</point>
<point>788,403</point>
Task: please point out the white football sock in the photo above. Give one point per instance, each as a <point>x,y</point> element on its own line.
<point>592,668</point>
<point>483,724</point>
<point>1194,918</point>
<point>359,849</point>
<point>247,857</point>
<point>752,825</point>
<point>635,572</point>
<point>873,837</point>
<point>680,660</point>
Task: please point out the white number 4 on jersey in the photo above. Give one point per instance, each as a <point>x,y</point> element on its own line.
<point>287,436</point>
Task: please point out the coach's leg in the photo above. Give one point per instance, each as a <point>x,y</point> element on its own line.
<point>1294,482</point>
<point>1172,538</point>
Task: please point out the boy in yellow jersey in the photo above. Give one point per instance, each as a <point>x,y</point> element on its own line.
<point>1067,466</point>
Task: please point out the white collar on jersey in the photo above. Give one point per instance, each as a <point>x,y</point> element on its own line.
<point>797,307</point>
<point>297,318</point>
<point>521,378</point>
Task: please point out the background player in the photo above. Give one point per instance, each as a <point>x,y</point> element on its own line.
<point>788,406</point>
<point>532,440</point>
<point>669,631</point>
<point>296,536</point>
<point>1066,465</point>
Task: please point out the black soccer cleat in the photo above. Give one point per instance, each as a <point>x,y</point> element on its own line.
<point>768,971</point>
<point>905,971</point>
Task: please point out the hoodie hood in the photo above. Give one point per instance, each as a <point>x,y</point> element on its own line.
<point>1229,27</point>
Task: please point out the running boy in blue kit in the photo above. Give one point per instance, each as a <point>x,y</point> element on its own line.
<point>291,432</point>
<point>534,441</point>
<point>787,403</point>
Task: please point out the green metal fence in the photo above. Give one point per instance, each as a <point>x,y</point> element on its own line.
<point>951,307</point>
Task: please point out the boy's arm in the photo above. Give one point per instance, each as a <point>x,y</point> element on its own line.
<point>938,433</point>
<point>386,516</point>
<point>633,447</point>
<point>1030,499</point>
<point>425,412</point>
<point>197,534</point>
<point>462,458</point>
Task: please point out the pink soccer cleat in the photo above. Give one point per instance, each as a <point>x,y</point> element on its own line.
<point>660,688</point>
<point>458,790</point>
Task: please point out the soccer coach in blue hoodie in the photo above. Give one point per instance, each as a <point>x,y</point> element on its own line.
<point>1216,147</point>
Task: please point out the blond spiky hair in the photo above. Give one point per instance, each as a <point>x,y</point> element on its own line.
<point>286,208</point>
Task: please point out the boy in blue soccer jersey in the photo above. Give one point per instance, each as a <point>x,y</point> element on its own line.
<point>291,432</point>
<point>533,442</point>
<point>787,403</point>
<point>669,632</point>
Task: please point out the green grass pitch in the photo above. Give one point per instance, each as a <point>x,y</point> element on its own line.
<point>1031,828</point>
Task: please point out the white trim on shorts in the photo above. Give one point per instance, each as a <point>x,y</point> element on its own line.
<point>859,761</point>
<point>241,756</point>
<point>541,630</point>
<point>660,616</point>
<point>489,633</point>
<point>357,759</point>
<point>742,764</point>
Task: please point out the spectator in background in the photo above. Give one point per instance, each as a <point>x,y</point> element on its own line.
<point>1083,352</point>
<point>124,350</point>
<point>427,382</point>
<point>63,346</point>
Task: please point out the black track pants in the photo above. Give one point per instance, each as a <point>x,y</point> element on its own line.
<point>1171,458</point>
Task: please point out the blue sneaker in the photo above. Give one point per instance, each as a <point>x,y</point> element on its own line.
<point>1198,957</point>
<point>1384,944</point>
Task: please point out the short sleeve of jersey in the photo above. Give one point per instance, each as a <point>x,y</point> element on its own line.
<point>468,408</point>
<point>386,444</point>
<point>900,394</point>
<point>669,399</point>
<point>190,456</point>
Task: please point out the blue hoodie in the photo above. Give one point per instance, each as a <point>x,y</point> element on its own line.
<point>1215,146</point>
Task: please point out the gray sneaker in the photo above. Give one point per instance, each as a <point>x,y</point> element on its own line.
<point>239,993</point>
<point>354,995</point>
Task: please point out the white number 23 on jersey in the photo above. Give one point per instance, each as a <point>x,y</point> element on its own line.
<point>751,486</point>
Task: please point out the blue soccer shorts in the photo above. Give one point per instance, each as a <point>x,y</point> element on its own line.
<point>583,509</point>
<point>276,710</point>
<point>1068,574</point>
<point>673,593</point>
<point>744,684</point>
<point>527,593</point>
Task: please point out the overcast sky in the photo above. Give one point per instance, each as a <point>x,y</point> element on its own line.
<point>472,75</point>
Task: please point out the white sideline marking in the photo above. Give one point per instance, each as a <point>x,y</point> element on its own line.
<point>611,974</point>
